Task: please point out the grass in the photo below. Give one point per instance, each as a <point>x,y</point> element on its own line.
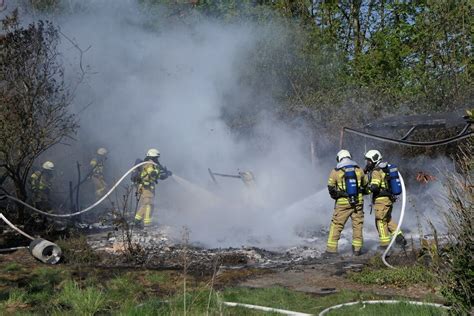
<point>76,290</point>
<point>87,301</point>
<point>401,276</point>
<point>13,266</point>
<point>157,277</point>
<point>278,297</point>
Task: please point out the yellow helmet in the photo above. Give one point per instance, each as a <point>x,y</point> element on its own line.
<point>48,165</point>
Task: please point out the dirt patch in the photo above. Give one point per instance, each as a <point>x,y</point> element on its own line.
<point>329,277</point>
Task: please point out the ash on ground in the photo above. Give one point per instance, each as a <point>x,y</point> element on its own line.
<point>163,248</point>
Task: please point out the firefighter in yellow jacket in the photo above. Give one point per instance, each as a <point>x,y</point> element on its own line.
<point>147,179</point>
<point>40,184</point>
<point>97,172</point>
<point>382,199</point>
<point>345,206</point>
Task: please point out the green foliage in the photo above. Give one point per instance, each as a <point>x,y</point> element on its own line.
<point>76,250</point>
<point>86,301</point>
<point>456,268</point>
<point>401,276</point>
<point>157,277</point>
<point>12,267</point>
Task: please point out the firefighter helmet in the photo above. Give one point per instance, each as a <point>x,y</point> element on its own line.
<point>102,151</point>
<point>48,165</point>
<point>343,154</point>
<point>153,153</point>
<point>373,155</point>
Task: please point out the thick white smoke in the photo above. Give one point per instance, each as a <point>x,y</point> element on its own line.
<point>166,86</point>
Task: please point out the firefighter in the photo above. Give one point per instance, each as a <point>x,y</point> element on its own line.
<point>40,184</point>
<point>147,179</point>
<point>97,172</point>
<point>345,205</point>
<point>382,199</point>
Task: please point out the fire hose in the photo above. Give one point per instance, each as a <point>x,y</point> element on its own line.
<point>402,214</point>
<point>324,312</point>
<point>84,210</point>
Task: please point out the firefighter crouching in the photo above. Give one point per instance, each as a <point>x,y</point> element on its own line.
<point>97,172</point>
<point>346,186</point>
<point>383,197</point>
<point>146,180</point>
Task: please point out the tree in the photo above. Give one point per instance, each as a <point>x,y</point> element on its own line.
<point>34,99</point>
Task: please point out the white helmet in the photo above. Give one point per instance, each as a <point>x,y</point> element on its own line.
<point>102,151</point>
<point>153,153</point>
<point>343,154</point>
<point>48,165</point>
<point>373,155</point>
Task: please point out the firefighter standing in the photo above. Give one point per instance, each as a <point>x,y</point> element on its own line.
<point>40,184</point>
<point>345,206</point>
<point>382,199</point>
<point>97,172</point>
<point>147,179</point>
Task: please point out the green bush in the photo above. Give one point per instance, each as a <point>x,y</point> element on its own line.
<point>456,267</point>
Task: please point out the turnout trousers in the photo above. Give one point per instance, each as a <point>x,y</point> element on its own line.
<point>99,186</point>
<point>383,221</point>
<point>146,206</point>
<point>339,218</point>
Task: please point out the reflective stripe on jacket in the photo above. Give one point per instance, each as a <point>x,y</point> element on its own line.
<point>149,176</point>
<point>97,167</point>
<point>39,183</point>
<point>336,179</point>
<point>378,178</point>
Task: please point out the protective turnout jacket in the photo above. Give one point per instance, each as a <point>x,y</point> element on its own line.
<point>337,184</point>
<point>149,176</point>
<point>40,185</point>
<point>97,166</point>
<point>379,185</point>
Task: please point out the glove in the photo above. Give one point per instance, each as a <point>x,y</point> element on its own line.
<point>169,173</point>
<point>341,194</point>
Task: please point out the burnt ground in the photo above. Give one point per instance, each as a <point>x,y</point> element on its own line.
<point>299,268</point>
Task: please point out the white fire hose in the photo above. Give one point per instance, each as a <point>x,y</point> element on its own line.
<point>86,209</point>
<point>400,221</point>
<point>324,312</point>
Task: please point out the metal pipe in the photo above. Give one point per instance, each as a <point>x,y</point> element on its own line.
<point>461,135</point>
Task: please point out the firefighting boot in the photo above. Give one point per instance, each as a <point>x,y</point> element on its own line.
<point>401,241</point>
<point>138,224</point>
<point>356,253</point>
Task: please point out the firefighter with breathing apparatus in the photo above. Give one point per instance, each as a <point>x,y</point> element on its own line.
<point>347,184</point>
<point>146,178</point>
<point>384,183</point>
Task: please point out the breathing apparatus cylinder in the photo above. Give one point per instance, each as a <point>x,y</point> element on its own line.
<point>350,179</point>
<point>394,180</point>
